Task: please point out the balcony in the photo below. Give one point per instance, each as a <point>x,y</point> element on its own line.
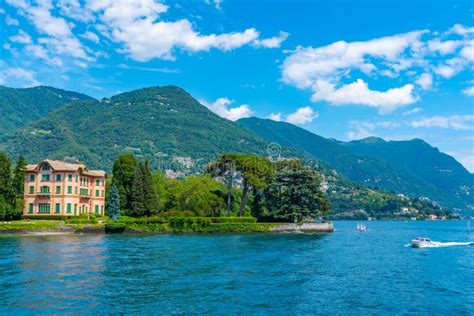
<point>44,193</point>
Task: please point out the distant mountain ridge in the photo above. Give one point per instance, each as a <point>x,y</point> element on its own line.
<point>377,163</point>
<point>155,123</point>
<point>167,126</point>
<point>19,107</point>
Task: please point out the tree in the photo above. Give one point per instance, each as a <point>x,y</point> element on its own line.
<point>295,194</point>
<point>113,207</point>
<point>201,195</point>
<point>224,169</point>
<point>123,172</point>
<point>19,177</point>
<point>144,200</point>
<point>256,173</point>
<point>6,191</point>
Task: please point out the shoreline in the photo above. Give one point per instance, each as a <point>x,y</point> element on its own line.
<point>263,228</point>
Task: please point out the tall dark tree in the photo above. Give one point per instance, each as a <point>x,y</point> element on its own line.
<point>295,194</point>
<point>6,191</point>
<point>224,169</point>
<point>144,200</point>
<point>19,177</point>
<point>256,173</point>
<point>113,206</point>
<point>123,173</point>
<point>151,199</point>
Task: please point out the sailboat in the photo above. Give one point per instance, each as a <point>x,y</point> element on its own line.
<point>361,227</point>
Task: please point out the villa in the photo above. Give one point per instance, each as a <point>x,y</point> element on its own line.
<point>59,188</point>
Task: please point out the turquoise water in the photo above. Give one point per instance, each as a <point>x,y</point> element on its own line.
<point>346,272</point>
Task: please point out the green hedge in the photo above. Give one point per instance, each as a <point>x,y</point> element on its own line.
<point>47,217</point>
<point>93,220</point>
<point>233,219</point>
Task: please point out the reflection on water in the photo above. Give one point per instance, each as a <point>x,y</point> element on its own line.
<point>230,274</point>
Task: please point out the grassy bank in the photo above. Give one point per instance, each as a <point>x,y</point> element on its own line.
<point>157,224</point>
<point>154,224</point>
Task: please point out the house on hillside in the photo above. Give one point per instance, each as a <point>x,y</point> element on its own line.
<point>59,188</point>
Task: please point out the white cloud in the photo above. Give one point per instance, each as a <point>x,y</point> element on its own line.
<point>358,92</point>
<point>217,3</point>
<point>469,91</point>
<point>272,42</point>
<point>425,81</point>
<point>335,72</point>
<point>275,117</point>
<point>11,21</point>
<point>412,111</point>
<point>137,26</point>
<point>18,77</point>
<point>461,30</point>
<point>302,116</point>
<point>221,108</point>
<point>458,122</point>
<point>91,37</point>
<point>22,38</point>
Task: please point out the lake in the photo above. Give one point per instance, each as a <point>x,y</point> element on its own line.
<point>346,272</point>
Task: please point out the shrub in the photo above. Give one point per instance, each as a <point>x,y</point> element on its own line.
<point>92,220</point>
<point>175,213</point>
<point>115,226</point>
<point>233,219</point>
<point>47,217</point>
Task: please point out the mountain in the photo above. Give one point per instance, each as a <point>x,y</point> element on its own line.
<point>170,128</point>
<point>18,107</point>
<point>362,165</point>
<point>427,162</point>
<point>156,123</point>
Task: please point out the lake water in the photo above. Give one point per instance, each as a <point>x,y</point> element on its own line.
<point>346,272</point>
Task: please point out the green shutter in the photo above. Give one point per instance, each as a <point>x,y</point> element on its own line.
<point>30,209</point>
<point>97,209</point>
<point>69,207</point>
<point>57,209</point>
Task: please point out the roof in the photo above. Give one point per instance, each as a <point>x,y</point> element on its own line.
<point>57,165</point>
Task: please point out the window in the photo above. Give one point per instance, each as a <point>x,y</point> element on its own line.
<point>45,177</point>
<point>57,209</point>
<point>58,189</point>
<point>32,178</point>
<point>45,167</point>
<point>97,182</point>
<point>58,177</point>
<point>69,178</point>
<point>45,189</point>
<point>97,209</point>
<point>32,189</point>
<point>69,189</point>
<point>97,193</point>
<point>102,193</point>
<point>75,209</point>
<point>84,192</point>
<point>44,208</point>
<point>68,208</point>
<point>75,190</point>
<point>76,178</point>
<point>30,208</point>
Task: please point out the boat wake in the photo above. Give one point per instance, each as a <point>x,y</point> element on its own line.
<point>435,244</point>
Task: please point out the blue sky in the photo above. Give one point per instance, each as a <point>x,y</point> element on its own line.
<point>342,69</point>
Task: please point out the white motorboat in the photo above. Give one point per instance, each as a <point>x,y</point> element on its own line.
<point>423,242</point>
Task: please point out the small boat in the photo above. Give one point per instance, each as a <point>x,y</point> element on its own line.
<point>422,242</point>
<point>361,227</point>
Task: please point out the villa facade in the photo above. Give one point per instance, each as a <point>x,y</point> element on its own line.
<point>59,188</point>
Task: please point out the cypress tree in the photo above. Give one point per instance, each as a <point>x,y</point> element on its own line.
<point>6,191</point>
<point>123,172</point>
<point>113,207</point>
<point>138,201</point>
<point>150,197</point>
<point>19,177</point>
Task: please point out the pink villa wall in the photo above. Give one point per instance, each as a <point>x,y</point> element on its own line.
<point>78,203</point>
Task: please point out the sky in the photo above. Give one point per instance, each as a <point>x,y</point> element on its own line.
<point>341,69</point>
